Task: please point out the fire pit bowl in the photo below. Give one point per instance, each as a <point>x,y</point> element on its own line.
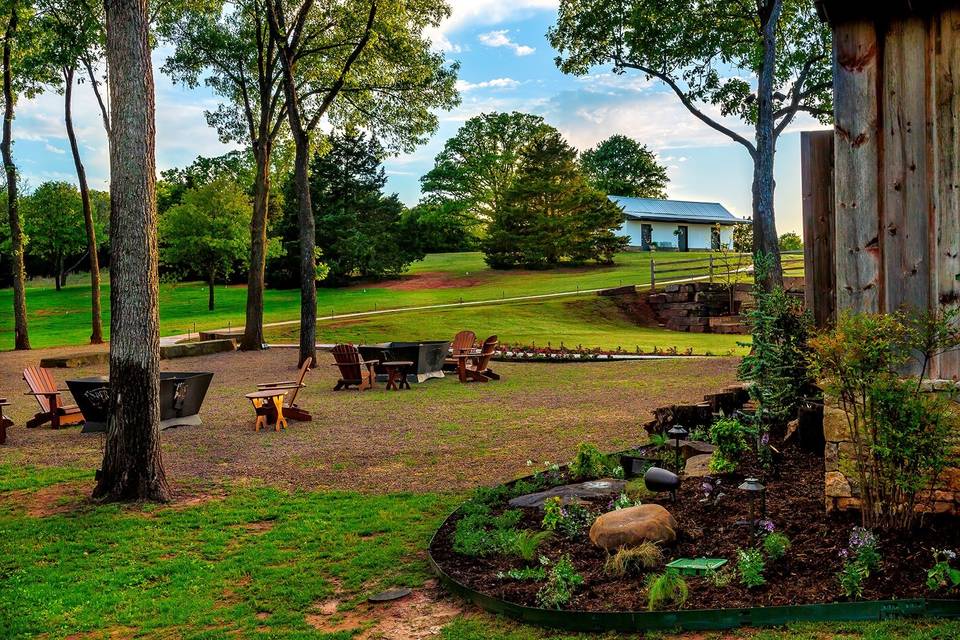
<point>427,357</point>
<point>181,395</point>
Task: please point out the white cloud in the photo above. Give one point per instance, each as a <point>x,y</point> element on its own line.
<point>501,39</point>
<point>488,12</point>
<point>441,43</point>
<point>52,149</point>
<point>496,83</point>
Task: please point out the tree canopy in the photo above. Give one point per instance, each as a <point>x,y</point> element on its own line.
<point>621,166</point>
<point>53,222</point>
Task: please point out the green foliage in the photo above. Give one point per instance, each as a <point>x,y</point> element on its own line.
<point>790,241</point>
<point>53,224</point>
<point>621,166</point>
<point>550,215</point>
<point>860,558</point>
<point>359,230</point>
<point>524,545</point>
<point>590,462</point>
<point>743,237</point>
<point>207,233</point>
<point>561,584</point>
<point>730,437</point>
<point>478,164</point>
<point>525,573</point>
<point>665,590</point>
<point>776,545</point>
<point>750,567</point>
<point>943,575</point>
<point>629,560</point>
<point>851,578</point>
<point>899,432</point>
<point>479,533</point>
<point>779,362</point>
<point>571,520</point>
<point>442,226</point>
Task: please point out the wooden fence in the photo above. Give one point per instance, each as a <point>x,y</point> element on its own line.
<point>721,267</point>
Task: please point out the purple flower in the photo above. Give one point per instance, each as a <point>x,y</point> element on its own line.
<point>765,439</point>
<point>767,525</point>
<point>843,553</point>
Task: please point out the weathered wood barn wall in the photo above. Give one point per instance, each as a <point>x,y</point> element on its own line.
<point>897,156</point>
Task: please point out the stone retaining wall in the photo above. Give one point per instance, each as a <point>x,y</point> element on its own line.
<point>841,490</point>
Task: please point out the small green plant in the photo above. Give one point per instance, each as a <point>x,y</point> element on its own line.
<point>730,437</point>
<point>665,589</point>
<point>623,501</point>
<point>721,464</point>
<point>526,573</point>
<point>721,577</point>
<point>561,584</point>
<point>589,463</point>
<point>659,440</point>
<point>750,566</point>
<point>524,544</point>
<point>860,558</point>
<point>851,577</point>
<point>479,533</point>
<point>943,576</point>
<point>570,520</point>
<point>776,545</point>
<point>630,559</point>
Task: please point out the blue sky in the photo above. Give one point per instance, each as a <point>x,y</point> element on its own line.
<point>506,64</point>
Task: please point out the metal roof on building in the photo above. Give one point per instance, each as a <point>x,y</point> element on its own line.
<point>674,210</point>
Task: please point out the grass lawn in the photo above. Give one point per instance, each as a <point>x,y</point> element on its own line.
<point>63,318</point>
<point>591,321</point>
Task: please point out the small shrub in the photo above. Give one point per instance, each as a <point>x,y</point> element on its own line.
<point>860,559</point>
<point>570,520</point>
<point>943,575</point>
<point>851,579</point>
<point>592,463</point>
<point>561,584</point>
<point>552,513</point>
<point>665,589</point>
<point>630,559</point>
<point>524,544</point>
<point>750,566</point>
<point>730,437</point>
<point>776,545</point>
<point>721,464</point>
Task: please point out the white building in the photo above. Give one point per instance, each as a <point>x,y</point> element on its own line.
<point>675,225</point>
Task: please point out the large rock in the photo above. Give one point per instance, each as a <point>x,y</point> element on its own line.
<point>603,488</point>
<point>698,466</point>
<point>836,485</point>
<point>633,526</point>
<point>691,448</point>
<point>835,425</point>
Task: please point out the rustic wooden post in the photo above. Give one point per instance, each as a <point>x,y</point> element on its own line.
<point>857,154</point>
<point>653,275</point>
<point>711,268</point>
<point>819,234</point>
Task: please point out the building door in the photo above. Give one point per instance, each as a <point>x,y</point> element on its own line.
<point>683,233</point>
<point>715,238</point>
<point>646,236</point>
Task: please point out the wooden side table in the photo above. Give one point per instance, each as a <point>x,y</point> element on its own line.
<point>265,402</point>
<point>397,373</point>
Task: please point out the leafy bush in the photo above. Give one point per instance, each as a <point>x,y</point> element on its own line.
<point>899,432</point>
<point>778,363</point>
<point>590,463</point>
<point>561,584</point>
<point>629,559</point>
<point>570,520</point>
<point>776,545</point>
<point>730,437</point>
<point>665,589</point>
<point>750,566</point>
<point>524,544</point>
<point>943,575</point>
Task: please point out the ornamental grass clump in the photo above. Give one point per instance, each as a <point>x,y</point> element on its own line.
<point>899,432</point>
<point>628,560</point>
<point>666,589</point>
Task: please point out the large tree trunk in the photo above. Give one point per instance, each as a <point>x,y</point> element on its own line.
<point>253,329</point>
<point>308,242</point>
<point>96,329</point>
<point>132,463</point>
<point>764,227</point>
<point>21,338</point>
<point>58,271</point>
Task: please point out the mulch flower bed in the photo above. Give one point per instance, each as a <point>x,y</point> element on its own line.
<point>795,505</point>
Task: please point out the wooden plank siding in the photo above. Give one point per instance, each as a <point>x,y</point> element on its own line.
<point>857,154</point>
<point>816,152</point>
<point>945,144</point>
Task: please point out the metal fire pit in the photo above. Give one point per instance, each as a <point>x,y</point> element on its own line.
<point>427,357</point>
<point>181,395</point>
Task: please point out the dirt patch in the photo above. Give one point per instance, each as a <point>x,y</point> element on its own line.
<point>418,616</point>
<point>114,633</point>
<point>434,280</point>
<point>57,499</point>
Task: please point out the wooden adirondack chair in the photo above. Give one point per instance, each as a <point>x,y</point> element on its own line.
<point>354,370</point>
<point>463,343</point>
<point>290,408</point>
<point>475,367</point>
<point>5,422</point>
<point>52,410</point>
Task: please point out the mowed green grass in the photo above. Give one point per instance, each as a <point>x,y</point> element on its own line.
<point>589,321</point>
<point>63,317</point>
<point>255,563</point>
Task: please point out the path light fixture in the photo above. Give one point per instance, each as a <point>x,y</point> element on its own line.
<point>755,490</point>
<point>678,433</point>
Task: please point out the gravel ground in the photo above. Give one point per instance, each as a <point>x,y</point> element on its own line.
<point>440,436</point>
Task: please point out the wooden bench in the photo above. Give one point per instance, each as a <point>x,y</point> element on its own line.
<point>52,410</point>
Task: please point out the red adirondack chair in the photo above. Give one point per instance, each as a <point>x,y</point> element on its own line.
<point>476,367</point>
<point>354,370</point>
<point>463,343</point>
<point>5,422</point>
<point>44,388</point>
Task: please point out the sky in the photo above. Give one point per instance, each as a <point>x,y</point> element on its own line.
<point>506,64</point>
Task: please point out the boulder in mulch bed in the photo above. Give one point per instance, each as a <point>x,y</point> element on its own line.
<point>698,466</point>
<point>633,526</point>
<point>603,488</point>
<point>691,448</point>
